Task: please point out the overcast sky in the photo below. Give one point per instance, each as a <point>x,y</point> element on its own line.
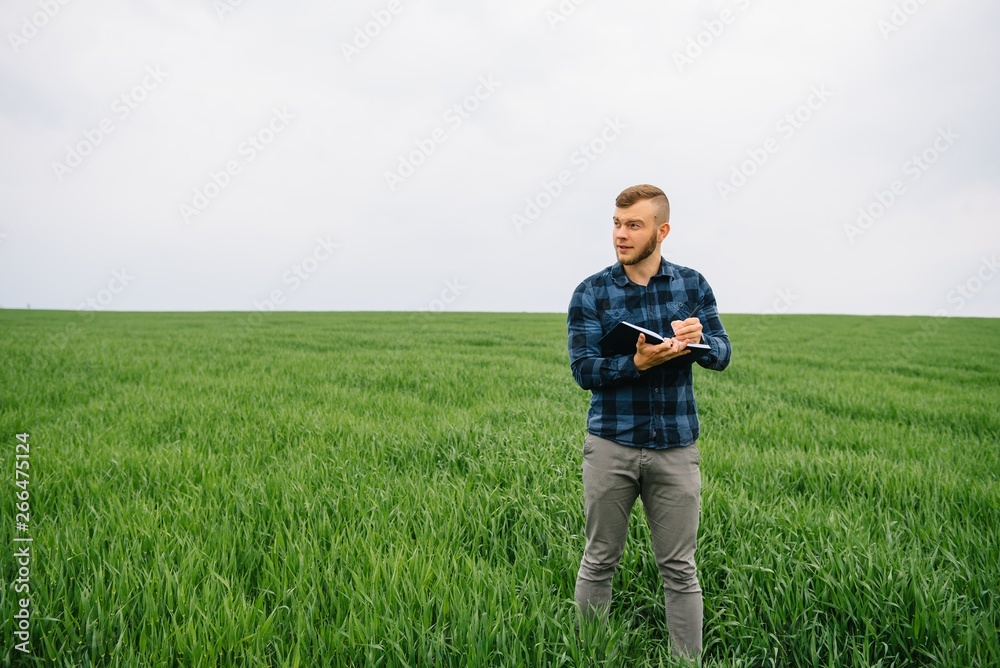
<point>411,155</point>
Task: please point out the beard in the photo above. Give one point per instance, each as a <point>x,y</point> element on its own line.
<point>640,254</point>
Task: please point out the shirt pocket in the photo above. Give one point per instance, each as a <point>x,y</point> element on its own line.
<point>671,311</point>
<point>612,317</point>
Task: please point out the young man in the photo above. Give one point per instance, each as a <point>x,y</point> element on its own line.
<point>643,424</point>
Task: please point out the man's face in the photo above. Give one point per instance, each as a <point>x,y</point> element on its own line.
<point>636,234</point>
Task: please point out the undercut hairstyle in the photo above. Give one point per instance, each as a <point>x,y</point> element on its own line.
<point>634,194</point>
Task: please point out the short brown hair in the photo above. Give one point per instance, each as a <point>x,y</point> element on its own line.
<point>634,194</point>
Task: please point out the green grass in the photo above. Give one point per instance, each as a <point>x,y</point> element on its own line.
<point>393,490</point>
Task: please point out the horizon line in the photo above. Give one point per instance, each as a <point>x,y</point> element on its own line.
<point>456,312</point>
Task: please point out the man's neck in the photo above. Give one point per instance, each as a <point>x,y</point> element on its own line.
<point>641,273</point>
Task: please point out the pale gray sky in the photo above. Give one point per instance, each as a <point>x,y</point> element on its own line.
<point>227,155</point>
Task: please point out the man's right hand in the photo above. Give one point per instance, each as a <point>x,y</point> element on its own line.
<point>648,355</point>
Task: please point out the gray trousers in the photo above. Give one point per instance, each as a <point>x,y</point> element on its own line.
<point>669,482</point>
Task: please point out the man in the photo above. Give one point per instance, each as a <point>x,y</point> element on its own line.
<point>643,424</point>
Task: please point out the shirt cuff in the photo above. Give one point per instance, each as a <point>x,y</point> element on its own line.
<point>713,352</point>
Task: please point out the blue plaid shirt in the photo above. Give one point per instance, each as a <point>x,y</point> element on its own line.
<point>653,408</point>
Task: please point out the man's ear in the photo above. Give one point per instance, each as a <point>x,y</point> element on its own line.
<point>662,233</point>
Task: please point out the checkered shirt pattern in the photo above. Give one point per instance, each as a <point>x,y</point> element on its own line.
<point>653,408</point>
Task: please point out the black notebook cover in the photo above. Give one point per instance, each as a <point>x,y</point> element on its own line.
<point>621,340</point>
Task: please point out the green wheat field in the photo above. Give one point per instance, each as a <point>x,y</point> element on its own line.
<point>391,489</point>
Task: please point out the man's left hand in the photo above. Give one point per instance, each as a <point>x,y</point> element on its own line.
<point>687,330</point>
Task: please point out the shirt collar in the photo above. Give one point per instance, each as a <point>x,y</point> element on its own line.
<point>620,278</point>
